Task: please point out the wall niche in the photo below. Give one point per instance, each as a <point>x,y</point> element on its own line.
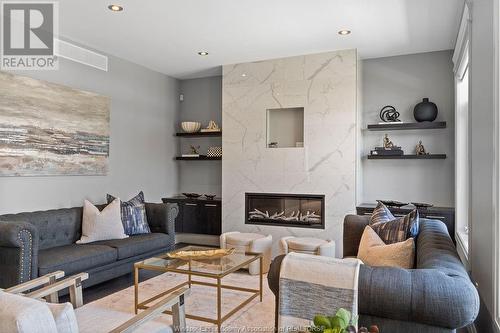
<point>285,127</point>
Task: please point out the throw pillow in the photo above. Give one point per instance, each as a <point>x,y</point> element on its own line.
<point>381,214</point>
<point>374,252</point>
<point>133,213</point>
<point>64,316</point>
<point>393,230</point>
<point>101,225</point>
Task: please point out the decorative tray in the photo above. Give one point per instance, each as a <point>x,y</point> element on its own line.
<point>191,195</point>
<point>197,255</point>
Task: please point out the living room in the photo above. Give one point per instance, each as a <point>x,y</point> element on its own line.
<point>261,166</point>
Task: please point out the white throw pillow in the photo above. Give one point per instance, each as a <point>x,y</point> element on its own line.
<point>64,316</point>
<point>20,314</point>
<point>101,225</point>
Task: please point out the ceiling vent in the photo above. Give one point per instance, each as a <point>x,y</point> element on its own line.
<point>81,55</point>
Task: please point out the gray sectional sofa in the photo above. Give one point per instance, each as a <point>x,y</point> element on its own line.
<point>36,243</point>
<point>437,296</point>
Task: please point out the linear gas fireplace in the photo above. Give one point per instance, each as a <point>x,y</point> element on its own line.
<point>288,210</point>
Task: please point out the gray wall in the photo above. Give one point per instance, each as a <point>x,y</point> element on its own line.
<point>202,102</point>
<point>144,110</point>
<point>402,82</point>
<point>482,148</point>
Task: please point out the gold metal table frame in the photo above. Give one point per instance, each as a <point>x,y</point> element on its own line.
<point>217,276</point>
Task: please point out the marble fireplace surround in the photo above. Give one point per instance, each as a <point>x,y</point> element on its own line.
<point>325,85</point>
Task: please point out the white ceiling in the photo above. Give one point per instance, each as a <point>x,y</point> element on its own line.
<point>165,35</point>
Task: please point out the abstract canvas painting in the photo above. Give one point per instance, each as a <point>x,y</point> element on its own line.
<point>47,129</point>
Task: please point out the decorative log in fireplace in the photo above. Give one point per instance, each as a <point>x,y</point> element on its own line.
<point>288,210</point>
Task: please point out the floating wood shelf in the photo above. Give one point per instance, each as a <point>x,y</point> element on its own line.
<point>200,134</point>
<point>407,126</point>
<point>201,158</point>
<point>407,157</point>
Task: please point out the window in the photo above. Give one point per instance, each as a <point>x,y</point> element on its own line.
<point>462,135</point>
<point>462,167</point>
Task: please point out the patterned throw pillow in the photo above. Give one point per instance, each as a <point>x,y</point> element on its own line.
<point>391,229</point>
<point>133,214</point>
<point>381,214</point>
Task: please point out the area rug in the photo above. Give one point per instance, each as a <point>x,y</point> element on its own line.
<point>109,312</point>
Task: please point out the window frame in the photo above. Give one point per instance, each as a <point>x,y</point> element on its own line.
<point>496,170</point>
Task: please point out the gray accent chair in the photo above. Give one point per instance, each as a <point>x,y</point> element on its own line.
<point>437,296</point>
<point>37,243</point>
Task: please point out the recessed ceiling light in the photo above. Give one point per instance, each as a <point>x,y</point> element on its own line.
<point>344,32</point>
<point>203,53</point>
<point>115,8</point>
<point>244,75</point>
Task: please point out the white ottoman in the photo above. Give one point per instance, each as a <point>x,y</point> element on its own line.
<point>308,245</point>
<point>250,242</point>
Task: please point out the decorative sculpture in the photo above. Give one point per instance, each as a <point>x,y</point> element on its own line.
<point>420,149</point>
<point>389,114</point>
<point>212,127</point>
<point>388,143</point>
<point>194,150</point>
<point>388,148</point>
<point>273,145</point>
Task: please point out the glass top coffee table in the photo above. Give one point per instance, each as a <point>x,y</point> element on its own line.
<point>216,268</point>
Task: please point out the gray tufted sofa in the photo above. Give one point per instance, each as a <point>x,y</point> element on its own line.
<point>437,296</point>
<point>37,243</point>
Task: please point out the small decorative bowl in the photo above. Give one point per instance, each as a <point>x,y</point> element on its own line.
<point>421,204</point>
<point>190,126</point>
<point>210,196</point>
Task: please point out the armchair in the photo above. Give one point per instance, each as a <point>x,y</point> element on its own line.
<point>19,312</point>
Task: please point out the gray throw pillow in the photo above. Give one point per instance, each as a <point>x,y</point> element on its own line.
<point>393,230</point>
<point>133,213</point>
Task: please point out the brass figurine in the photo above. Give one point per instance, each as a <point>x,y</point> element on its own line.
<point>388,143</point>
<point>420,149</point>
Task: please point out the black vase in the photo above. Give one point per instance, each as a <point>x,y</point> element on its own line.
<point>425,111</point>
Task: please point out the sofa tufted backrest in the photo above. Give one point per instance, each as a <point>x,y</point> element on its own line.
<point>56,227</point>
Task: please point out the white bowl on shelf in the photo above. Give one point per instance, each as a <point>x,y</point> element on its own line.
<point>190,126</point>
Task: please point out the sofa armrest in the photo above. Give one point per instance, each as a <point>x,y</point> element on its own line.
<point>273,276</point>
<point>427,296</point>
<point>161,217</point>
<point>18,252</point>
<point>354,225</point>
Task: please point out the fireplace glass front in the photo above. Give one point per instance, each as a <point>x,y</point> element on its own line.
<point>288,210</point>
